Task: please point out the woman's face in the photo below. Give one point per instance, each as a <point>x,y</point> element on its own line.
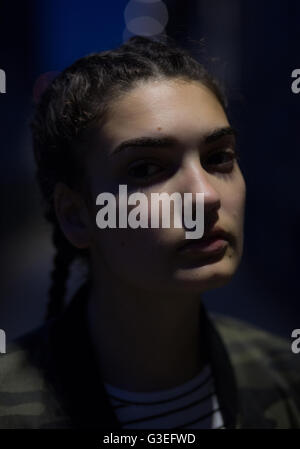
<point>195,158</point>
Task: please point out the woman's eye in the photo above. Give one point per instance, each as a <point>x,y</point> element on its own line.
<point>143,170</point>
<point>223,159</point>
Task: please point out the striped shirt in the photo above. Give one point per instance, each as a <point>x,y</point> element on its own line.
<point>191,405</point>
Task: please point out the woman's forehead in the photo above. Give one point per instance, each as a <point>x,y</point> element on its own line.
<point>168,106</point>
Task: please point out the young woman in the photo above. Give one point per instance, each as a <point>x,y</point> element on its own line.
<point>135,348</point>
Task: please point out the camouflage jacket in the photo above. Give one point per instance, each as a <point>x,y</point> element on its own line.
<point>49,377</point>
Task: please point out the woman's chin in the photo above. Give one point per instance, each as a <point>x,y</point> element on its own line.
<point>206,277</point>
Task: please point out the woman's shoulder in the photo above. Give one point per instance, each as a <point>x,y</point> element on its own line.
<point>17,365</point>
<point>246,343</point>
<point>26,396</point>
<point>258,354</point>
<point>267,373</point>
<point>241,333</point>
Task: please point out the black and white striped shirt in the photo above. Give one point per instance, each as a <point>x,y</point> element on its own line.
<point>192,405</point>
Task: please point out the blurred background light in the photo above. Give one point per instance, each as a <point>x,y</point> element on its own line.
<point>145,26</point>
<point>145,18</point>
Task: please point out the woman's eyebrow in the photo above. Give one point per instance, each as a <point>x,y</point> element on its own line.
<point>169,141</point>
<point>218,133</point>
<point>146,142</point>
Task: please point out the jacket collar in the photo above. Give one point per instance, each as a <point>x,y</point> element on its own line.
<point>222,369</point>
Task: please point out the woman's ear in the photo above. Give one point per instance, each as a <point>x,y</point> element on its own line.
<point>72,215</point>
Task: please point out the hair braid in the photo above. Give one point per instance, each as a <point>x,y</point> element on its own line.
<point>62,260</point>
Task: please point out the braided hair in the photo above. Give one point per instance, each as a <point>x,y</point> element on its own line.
<point>75,103</point>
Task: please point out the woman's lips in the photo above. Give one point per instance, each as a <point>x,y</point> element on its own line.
<point>212,243</point>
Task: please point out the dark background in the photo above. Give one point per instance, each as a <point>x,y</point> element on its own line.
<point>254,47</point>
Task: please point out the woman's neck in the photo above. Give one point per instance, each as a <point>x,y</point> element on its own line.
<point>144,341</point>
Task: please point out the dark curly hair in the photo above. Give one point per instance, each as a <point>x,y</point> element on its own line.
<point>75,102</point>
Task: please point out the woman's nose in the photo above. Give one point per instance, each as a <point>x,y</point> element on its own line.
<point>197,180</point>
